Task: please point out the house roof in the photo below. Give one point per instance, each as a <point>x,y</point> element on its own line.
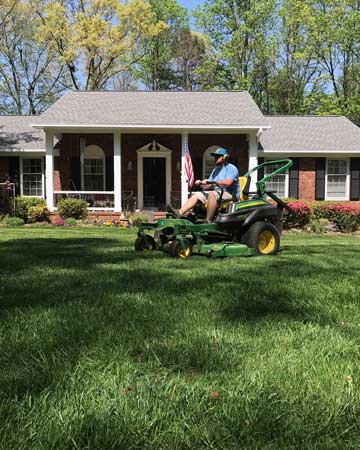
<point>310,134</point>
<point>154,109</point>
<point>16,134</point>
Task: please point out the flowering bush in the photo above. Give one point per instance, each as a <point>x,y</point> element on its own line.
<point>346,217</point>
<point>59,222</point>
<point>122,223</point>
<point>300,215</point>
<point>23,205</point>
<point>37,213</point>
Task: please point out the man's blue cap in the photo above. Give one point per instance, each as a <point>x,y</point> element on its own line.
<point>219,152</point>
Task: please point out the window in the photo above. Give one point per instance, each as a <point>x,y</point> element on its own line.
<point>32,184</point>
<point>336,183</point>
<point>208,161</point>
<point>277,183</point>
<point>93,169</point>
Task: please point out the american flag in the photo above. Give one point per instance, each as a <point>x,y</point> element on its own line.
<point>189,171</point>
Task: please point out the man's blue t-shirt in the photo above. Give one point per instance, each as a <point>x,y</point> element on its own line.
<point>223,173</point>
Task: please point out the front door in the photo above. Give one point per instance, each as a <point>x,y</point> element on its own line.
<point>154,177</point>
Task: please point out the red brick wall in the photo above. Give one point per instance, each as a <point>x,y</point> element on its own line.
<point>307,179</point>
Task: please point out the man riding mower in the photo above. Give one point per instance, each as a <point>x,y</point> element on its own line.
<point>250,226</point>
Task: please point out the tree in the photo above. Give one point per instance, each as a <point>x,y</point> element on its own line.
<point>30,76</point>
<point>237,30</point>
<point>189,51</point>
<point>296,70</point>
<point>97,39</point>
<point>336,40</point>
<point>155,69</point>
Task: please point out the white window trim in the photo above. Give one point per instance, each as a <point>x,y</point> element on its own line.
<point>286,181</point>
<point>82,164</point>
<point>347,185</point>
<point>22,177</point>
<point>144,152</point>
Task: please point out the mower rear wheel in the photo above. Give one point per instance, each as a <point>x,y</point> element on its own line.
<point>264,237</point>
<point>145,242</point>
<point>177,251</point>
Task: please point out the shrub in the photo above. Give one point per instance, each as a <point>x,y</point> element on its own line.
<point>345,217</point>
<point>137,218</point>
<point>72,208</point>
<point>320,226</point>
<point>13,221</point>
<point>22,204</point>
<point>300,215</point>
<point>38,213</point>
<point>70,222</point>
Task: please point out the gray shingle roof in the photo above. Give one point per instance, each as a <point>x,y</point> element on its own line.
<point>161,108</point>
<point>310,134</point>
<point>16,134</point>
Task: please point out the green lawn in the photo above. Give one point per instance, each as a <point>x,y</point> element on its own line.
<point>105,348</point>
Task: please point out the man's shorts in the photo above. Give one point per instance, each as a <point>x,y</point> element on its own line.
<point>203,195</point>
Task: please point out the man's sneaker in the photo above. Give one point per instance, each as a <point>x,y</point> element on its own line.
<point>173,211</point>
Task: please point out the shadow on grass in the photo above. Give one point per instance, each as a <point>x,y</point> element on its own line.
<point>65,297</point>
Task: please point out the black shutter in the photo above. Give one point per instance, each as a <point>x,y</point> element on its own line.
<point>198,168</point>
<point>320,165</point>
<point>14,172</point>
<point>294,179</point>
<point>75,174</point>
<point>109,171</point>
<point>260,172</point>
<point>354,178</point>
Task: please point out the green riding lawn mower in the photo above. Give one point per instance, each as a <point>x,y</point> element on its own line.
<point>248,227</point>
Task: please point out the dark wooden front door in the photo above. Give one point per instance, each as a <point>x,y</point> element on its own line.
<point>154,177</point>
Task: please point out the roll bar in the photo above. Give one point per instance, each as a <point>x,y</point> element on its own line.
<point>261,184</point>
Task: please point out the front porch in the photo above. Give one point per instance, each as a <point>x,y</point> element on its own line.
<point>134,171</point>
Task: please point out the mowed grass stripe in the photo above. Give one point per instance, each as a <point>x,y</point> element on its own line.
<point>103,347</point>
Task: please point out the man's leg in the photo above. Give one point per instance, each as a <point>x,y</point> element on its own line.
<point>211,205</point>
<point>189,204</point>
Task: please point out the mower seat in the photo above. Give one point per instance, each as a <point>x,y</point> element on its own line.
<point>244,186</point>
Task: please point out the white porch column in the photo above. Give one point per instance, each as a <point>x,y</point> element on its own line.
<point>184,185</point>
<point>253,159</point>
<point>117,172</point>
<point>49,170</point>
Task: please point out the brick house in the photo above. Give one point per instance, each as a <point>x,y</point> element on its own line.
<point>117,149</point>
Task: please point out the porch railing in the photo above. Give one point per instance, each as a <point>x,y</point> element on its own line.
<point>99,200</point>
<point>96,200</point>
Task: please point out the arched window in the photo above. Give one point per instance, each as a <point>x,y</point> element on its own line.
<point>93,168</point>
<point>208,161</point>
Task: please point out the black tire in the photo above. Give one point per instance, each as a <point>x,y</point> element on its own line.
<point>177,251</point>
<point>145,243</point>
<point>263,237</point>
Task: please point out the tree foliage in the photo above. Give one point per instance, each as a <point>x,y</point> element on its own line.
<point>97,39</point>
<point>30,76</point>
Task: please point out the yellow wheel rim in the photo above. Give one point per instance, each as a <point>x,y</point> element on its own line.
<point>266,242</point>
<point>184,253</point>
<point>148,248</point>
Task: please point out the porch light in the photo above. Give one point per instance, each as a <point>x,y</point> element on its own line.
<point>154,146</point>
<point>129,166</point>
<point>178,166</point>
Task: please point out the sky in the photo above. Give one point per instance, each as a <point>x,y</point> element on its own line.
<point>190,4</point>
